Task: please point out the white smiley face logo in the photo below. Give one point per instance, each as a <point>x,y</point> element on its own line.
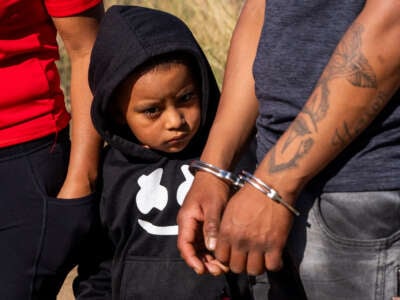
<point>153,195</point>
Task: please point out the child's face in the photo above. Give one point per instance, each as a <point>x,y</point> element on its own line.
<point>162,107</point>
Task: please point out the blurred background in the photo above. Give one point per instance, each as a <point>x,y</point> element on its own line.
<point>211,22</point>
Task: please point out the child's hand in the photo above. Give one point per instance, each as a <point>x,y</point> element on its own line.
<point>214,266</point>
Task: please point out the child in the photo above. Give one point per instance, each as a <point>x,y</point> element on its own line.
<point>155,98</point>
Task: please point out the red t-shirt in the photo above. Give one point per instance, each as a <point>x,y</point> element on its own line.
<point>31,101</point>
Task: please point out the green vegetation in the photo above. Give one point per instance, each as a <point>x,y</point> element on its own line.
<point>211,21</point>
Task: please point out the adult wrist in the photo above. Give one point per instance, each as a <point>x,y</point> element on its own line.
<point>84,178</point>
<point>267,190</point>
<point>226,176</point>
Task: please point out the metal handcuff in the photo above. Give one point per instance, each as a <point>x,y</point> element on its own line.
<point>237,181</point>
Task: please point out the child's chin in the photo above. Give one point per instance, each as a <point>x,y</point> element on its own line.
<point>178,147</point>
<point>166,150</point>
<point>175,150</point>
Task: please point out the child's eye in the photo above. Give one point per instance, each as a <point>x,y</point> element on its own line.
<point>152,112</point>
<point>187,97</point>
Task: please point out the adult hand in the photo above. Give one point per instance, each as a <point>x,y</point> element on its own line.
<point>198,221</point>
<point>253,232</point>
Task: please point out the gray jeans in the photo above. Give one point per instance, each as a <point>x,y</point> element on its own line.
<point>347,246</point>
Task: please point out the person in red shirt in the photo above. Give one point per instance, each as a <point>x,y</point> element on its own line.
<point>46,182</point>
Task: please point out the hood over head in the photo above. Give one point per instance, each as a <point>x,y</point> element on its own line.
<point>128,37</point>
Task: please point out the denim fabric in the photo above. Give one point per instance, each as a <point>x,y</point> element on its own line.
<point>40,235</point>
<point>348,245</point>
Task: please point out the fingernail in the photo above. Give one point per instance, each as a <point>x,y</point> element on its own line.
<point>211,243</point>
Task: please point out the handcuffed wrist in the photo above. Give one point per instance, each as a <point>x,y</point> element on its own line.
<point>266,190</point>
<point>224,175</point>
<point>237,181</point>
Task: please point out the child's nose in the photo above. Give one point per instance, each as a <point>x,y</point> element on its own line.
<point>175,119</point>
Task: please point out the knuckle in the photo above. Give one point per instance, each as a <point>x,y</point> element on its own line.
<point>243,243</point>
<point>211,226</point>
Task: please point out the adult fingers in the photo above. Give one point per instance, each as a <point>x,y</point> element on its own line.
<point>255,263</point>
<point>222,252</point>
<point>238,261</point>
<point>188,245</point>
<point>273,260</point>
<point>212,220</point>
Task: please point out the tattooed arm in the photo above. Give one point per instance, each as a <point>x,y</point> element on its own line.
<point>360,78</point>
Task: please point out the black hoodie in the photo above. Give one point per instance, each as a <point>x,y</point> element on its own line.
<point>142,189</point>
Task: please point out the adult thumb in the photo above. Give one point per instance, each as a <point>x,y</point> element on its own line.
<point>212,219</point>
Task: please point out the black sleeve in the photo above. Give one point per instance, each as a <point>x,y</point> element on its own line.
<point>94,267</point>
<point>94,286</point>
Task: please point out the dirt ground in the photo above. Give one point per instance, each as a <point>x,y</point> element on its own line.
<point>66,290</point>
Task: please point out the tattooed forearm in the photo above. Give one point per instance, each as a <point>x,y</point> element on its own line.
<point>347,63</point>
<point>313,112</point>
<point>300,129</point>
<point>347,133</point>
<point>318,105</point>
<point>302,149</point>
